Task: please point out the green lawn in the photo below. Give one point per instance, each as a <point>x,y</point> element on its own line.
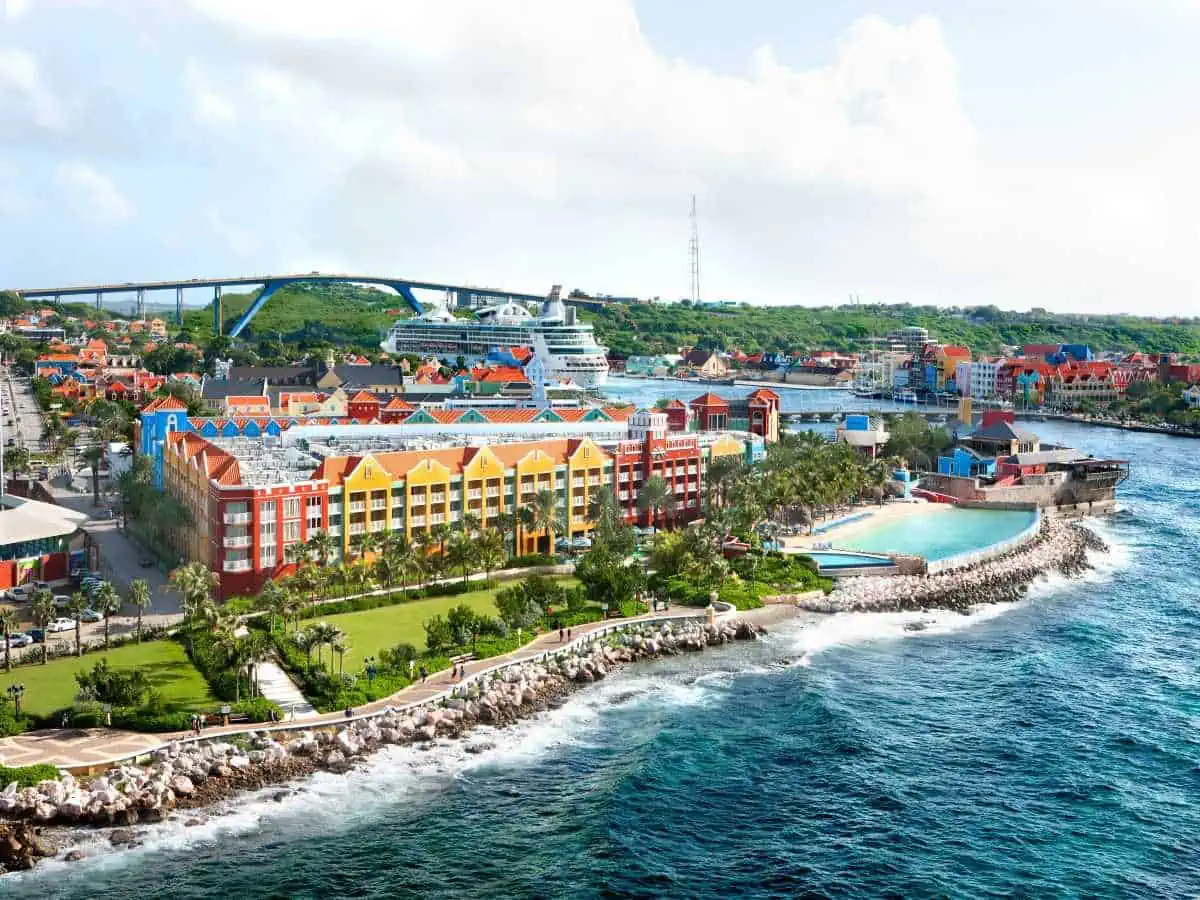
<point>373,630</point>
<point>52,686</point>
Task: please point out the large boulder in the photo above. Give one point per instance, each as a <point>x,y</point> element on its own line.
<point>182,786</point>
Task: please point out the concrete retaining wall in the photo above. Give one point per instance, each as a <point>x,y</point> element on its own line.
<point>980,556</point>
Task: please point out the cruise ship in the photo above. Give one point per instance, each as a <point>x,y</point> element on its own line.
<point>566,348</point>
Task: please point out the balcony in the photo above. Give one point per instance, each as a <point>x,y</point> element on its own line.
<point>437,498</point>
<point>335,530</point>
<point>237,565</point>
<point>437,519</point>
<point>691,470</point>
<point>357,528</point>
<point>378,504</point>
<point>579,501</point>
<point>594,481</point>
<point>358,506</point>
<point>577,482</point>
<point>379,525</point>
<point>239,518</point>
<point>493,511</point>
<point>474,494</point>
<point>493,492</point>
<point>418,521</point>
<point>335,509</point>
<point>243,541</point>
<point>623,477</point>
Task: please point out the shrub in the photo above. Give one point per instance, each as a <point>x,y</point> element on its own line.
<point>10,722</point>
<point>397,658</point>
<point>258,709</point>
<point>528,560</point>
<point>208,657</point>
<point>27,776</point>
<point>120,687</point>
<point>438,634</point>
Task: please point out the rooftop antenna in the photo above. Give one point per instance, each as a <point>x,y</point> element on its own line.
<point>694,253</point>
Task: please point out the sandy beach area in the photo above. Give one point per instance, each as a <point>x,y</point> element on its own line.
<point>876,516</point>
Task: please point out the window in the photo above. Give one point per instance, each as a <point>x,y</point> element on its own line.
<point>314,502</point>
<point>266,531</point>
<point>267,556</point>
<point>291,532</point>
<point>267,510</point>
<point>291,508</point>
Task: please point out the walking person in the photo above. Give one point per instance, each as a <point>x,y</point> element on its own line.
<point>560,635</point>
<point>568,634</point>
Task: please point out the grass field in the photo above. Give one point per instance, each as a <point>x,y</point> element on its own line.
<point>373,630</point>
<point>52,686</point>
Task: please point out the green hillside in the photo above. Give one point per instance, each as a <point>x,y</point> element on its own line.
<point>654,329</point>
<point>339,314</point>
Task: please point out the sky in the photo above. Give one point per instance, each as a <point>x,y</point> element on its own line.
<point>955,152</point>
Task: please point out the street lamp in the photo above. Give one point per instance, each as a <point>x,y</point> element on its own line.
<point>15,693</point>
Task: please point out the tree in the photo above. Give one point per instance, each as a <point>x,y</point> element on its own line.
<point>438,635</point>
<point>608,581</point>
<point>409,561</point>
<point>43,611</point>
<point>8,624</point>
<point>271,599</point>
<point>107,602</point>
<point>77,607</point>
<point>94,456</point>
<point>323,546</point>
<point>490,552</point>
<point>506,523</point>
<point>441,533</point>
<point>655,498</point>
<point>119,687</point>
<point>195,582</point>
<point>141,599</point>
<point>542,515</point>
<point>362,544</point>
<point>461,552</point>
<point>340,646</point>
<point>16,459</point>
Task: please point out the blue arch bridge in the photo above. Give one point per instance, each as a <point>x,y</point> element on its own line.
<point>270,285</point>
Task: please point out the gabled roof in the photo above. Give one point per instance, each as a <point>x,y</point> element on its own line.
<point>709,399</point>
<point>1003,431</point>
<point>363,397</point>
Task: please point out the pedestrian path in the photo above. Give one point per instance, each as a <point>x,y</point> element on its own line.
<point>95,747</point>
<point>276,686</point>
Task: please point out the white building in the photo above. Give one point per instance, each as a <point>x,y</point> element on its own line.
<point>983,378</point>
<point>1192,396</point>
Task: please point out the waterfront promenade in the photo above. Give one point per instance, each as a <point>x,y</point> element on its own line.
<point>79,749</point>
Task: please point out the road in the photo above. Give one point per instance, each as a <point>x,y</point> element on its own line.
<point>119,556</point>
<point>22,418</point>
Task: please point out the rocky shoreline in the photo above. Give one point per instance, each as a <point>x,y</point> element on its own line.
<point>1059,546</point>
<point>186,776</point>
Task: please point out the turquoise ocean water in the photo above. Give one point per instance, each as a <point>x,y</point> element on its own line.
<point>1045,749</point>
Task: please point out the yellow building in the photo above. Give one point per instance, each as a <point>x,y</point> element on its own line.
<point>414,491</point>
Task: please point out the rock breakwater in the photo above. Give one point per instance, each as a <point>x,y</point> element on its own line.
<point>1059,546</point>
<point>187,775</point>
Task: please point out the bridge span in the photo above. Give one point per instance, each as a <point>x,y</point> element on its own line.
<point>270,284</point>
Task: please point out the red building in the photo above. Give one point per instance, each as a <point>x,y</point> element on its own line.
<point>363,407</point>
<point>710,412</point>
<point>763,414</point>
<point>653,451</point>
<point>678,415</point>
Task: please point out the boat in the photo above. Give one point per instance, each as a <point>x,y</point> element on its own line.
<point>566,348</point>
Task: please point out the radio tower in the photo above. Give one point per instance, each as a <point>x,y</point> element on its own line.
<point>694,253</point>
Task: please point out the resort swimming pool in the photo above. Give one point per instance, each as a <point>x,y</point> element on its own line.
<point>831,560</point>
<point>938,534</point>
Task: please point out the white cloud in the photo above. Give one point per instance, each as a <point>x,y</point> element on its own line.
<point>209,105</point>
<point>14,9</point>
<point>92,194</point>
<point>24,97</point>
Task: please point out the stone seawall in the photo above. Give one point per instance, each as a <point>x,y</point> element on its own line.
<point>194,774</point>
<point>1058,546</point>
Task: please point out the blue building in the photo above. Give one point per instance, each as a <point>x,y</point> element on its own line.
<point>966,463</point>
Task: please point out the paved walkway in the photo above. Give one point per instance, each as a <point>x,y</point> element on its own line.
<point>78,748</point>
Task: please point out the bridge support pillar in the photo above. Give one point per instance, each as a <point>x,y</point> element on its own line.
<point>178,306</point>
<point>218,314</point>
<point>99,300</point>
<point>140,312</point>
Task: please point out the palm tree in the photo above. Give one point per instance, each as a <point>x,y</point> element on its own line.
<point>8,624</point>
<point>543,515</point>
<point>141,599</point>
<point>461,552</point>
<point>409,560</point>
<point>387,570</point>
<point>258,650</point>
<point>107,602</point>
<point>323,545</point>
<point>195,582</point>
<point>490,552</point>
<point>364,543</point>
<point>470,523</point>
<point>306,641</point>
<point>78,605</point>
<point>340,647</point>
<point>94,456</point>
<point>440,533</point>
<point>722,472</point>
<point>506,523</point>
<point>656,498</point>
<point>325,634</point>
<point>270,599</point>
<point>43,611</point>
<point>295,554</point>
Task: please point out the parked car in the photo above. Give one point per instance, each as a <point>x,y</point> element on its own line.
<point>90,615</point>
<point>61,625</point>
<point>19,639</point>
<point>41,585</point>
<point>21,592</point>
<point>37,635</point>
<point>62,599</point>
